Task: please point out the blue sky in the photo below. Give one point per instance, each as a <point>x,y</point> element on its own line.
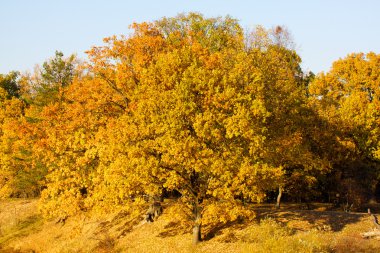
<point>324,30</point>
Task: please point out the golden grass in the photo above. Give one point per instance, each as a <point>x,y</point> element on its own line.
<point>23,230</point>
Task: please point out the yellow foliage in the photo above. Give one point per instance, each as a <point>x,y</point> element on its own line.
<point>184,105</point>
<point>349,97</point>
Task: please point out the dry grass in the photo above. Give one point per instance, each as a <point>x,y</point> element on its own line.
<point>23,230</point>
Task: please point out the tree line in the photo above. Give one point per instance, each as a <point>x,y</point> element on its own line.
<point>193,107</point>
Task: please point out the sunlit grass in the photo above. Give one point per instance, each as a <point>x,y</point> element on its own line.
<point>23,228</point>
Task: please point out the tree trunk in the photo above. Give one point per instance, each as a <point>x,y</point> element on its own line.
<point>374,219</point>
<point>197,226</point>
<point>197,233</point>
<point>279,197</point>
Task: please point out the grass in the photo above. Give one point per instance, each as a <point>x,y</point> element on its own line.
<point>286,230</point>
<point>23,228</point>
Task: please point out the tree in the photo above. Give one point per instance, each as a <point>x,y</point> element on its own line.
<point>348,97</point>
<point>69,146</point>
<point>184,104</point>
<point>21,175</point>
<point>48,81</point>
<point>23,126</point>
<point>289,139</point>
<point>10,84</point>
<point>197,107</point>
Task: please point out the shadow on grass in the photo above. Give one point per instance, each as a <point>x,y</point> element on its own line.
<point>174,228</point>
<point>291,216</point>
<point>215,230</point>
<point>333,219</point>
<point>302,220</point>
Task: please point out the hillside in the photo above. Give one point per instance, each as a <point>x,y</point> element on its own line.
<point>287,230</point>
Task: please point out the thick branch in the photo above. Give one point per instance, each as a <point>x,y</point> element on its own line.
<point>185,180</point>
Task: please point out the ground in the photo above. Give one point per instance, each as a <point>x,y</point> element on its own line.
<point>289,229</point>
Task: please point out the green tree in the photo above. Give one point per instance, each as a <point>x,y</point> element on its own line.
<point>10,84</point>
<point>48,81</point>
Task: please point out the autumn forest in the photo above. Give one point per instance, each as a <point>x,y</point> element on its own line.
<point>193,109</point>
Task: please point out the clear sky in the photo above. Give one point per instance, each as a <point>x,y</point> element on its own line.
<point>323,30</point>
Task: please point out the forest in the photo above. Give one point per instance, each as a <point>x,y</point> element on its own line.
<point>196,110</point>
